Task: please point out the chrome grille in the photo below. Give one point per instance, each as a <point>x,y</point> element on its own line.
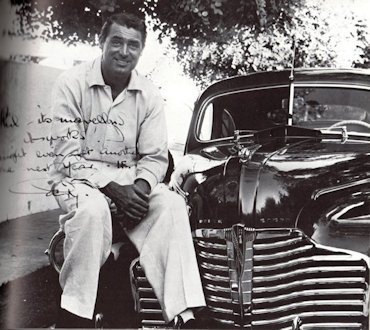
<point>284,277</point>
<point>292,277</point>
<point>146,303</point>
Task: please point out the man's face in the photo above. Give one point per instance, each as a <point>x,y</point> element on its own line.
<point>121,50</point>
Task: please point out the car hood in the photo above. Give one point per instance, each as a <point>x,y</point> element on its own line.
<point>283,180</point>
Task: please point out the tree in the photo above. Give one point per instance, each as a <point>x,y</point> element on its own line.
<point>211,44</point>
<point>212,38</point>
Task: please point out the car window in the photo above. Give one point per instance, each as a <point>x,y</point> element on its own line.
<point>258,109</point>
<point>248,110</point>
<point>324,107</point>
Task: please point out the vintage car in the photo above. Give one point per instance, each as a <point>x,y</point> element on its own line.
<point>276,176</point>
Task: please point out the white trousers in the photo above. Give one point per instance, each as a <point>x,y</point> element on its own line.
<point>163,239</point>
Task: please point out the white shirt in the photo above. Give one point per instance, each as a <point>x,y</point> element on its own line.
<point>95,137</point>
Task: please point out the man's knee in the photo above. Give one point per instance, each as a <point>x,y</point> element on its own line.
<point>168,201</point>
<point>95,211</point>
<point>92,213</point>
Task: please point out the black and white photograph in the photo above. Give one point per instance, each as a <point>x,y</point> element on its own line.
<point>185,164</point>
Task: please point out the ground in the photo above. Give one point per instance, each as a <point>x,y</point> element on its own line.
<point>30,299</point>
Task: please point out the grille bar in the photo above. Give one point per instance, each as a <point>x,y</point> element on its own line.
<point>151,311</point>
<point>221,310</point>
<point>210,266</point>
<point>310,282</point>
<point>210,245</point>
<point>208,255</point>
<point>279,244</point>
<point>303,260</point>
<point>316,314</point>
<point>216,278</point>
<point>284,254</point>
<point>332,326</point>
<point>310,270</point>
<point>151,323</point>
<point>219,299</point>
<point>216,288</point>
<point>310,303</point>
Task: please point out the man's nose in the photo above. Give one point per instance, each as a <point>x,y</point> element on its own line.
<point>124,49</point>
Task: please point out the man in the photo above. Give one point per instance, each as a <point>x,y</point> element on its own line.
<point>110,144</point>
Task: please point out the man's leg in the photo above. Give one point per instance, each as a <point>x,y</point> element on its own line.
<point>163,239</point>
<point>88,228</point>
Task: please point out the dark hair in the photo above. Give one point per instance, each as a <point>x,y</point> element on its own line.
<point>124,19</point>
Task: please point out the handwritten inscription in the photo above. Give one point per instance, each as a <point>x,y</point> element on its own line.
<point>78,154</point>
<point>72,134</point>
<point>102,118</point>
<point>76,166</point>
<point>38,168</point>
<point>44,119</point>
<point>48,154</point>
<point>14,156</point>
<point>121,152</point>
<point>32,142</point>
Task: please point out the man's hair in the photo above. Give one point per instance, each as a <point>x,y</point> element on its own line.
<point>124,19</point>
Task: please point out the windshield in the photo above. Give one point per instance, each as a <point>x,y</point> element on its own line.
<point>257,109</point>
<point>321,107</point>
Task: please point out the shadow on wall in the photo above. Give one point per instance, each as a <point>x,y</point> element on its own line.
<point>25,159</point>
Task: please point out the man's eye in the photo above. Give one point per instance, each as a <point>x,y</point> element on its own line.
<point>133,45</point>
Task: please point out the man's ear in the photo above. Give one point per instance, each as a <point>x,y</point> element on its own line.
<point>101,42</point>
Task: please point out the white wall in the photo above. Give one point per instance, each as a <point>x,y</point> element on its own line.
<point>24,95</point>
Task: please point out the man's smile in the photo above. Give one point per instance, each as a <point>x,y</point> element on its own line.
<point>122,62</point>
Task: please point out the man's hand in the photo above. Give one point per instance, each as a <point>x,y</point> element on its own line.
<point>131,199</point>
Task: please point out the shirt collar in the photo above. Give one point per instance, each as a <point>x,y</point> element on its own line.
<point>95,77</point>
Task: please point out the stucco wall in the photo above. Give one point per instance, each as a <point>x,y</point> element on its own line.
<point>25,96</point>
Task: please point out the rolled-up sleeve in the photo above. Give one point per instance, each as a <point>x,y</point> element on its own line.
<point>152,145</point>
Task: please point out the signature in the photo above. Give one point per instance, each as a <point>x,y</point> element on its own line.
<point>62,192</point>
<point>63,189</point>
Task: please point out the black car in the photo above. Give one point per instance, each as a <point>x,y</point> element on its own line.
<point>276,176</point>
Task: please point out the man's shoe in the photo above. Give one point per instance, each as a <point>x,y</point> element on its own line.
<point>178,323</point>
<point>69,320</point>
<point>191,324</point>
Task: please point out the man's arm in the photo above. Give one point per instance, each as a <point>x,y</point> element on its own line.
<point>151,168</point>
<point>152,145</point>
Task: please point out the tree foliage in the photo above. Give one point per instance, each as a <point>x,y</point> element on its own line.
<point>213,38</point>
